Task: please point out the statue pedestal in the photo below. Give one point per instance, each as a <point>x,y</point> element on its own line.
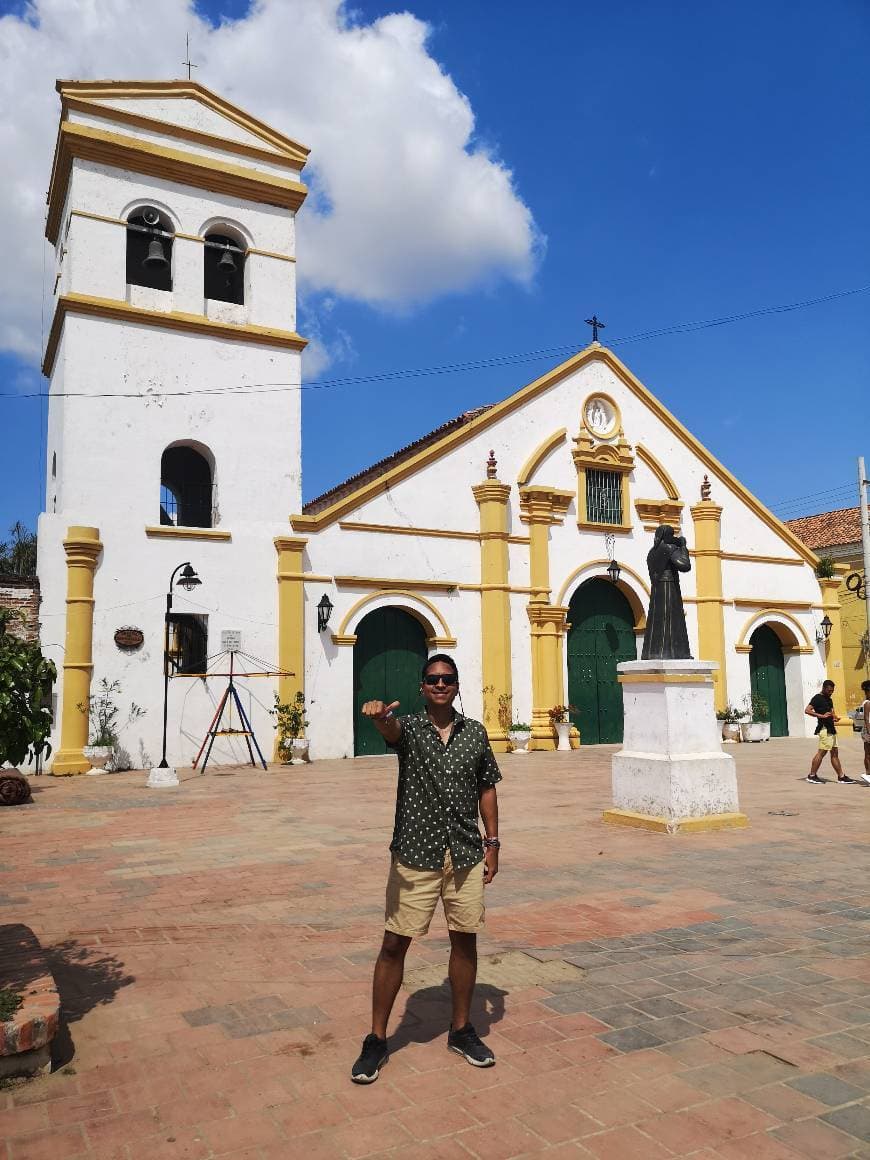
<point>671,775</point>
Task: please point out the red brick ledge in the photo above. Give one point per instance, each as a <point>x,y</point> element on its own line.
<point>25,1038</point>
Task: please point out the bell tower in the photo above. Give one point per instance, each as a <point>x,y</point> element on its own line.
<point>172,354</point>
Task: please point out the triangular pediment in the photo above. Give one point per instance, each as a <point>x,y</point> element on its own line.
<point>182,109</point>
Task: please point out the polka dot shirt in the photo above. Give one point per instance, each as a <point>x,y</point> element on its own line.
<point>438,792</point>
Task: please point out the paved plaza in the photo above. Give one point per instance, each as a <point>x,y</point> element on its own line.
<point>647,996</point>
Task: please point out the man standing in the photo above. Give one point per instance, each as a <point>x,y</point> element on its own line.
<point>447,773</point>
<point>822,708</point>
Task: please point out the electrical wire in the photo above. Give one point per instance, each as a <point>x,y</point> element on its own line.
<point>447,368</point>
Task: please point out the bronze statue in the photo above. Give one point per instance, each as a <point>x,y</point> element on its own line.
<point>666,636</point>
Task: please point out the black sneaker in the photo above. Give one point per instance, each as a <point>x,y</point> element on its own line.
<point>467,1042</point>
<point>372,1058</point>
<point>844,780</point>
<point>814,779</point>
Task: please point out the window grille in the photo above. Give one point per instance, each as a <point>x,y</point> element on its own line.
<point>188,643</point>
<point>603,497</point>
<point>186,506</point>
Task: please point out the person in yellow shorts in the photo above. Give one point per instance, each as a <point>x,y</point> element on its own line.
<point>822,708</point>
<point>447,775</point>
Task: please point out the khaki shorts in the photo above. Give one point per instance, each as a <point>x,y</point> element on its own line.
<point>413,894</point>
<point>827,741</point>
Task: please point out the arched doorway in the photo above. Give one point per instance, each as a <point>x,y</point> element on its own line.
<point>387,658</point>
<point>600,637</point>
<point>767,676</point>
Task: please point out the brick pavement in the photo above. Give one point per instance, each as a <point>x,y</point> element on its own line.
<point>213,947</point>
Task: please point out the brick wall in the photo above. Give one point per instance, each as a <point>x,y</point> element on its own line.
<point>22,593</point>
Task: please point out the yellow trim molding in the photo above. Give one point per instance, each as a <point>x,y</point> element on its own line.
<point>492,498</point>
<point>769,602</point>
<point>165,532</point>
<point>649,460</point>
<point>93,108</point>
<point>593,353</point>
<point>434,638</point>
<point>83,548</point>
<point>657,825</point>
<point>540,453</point>
<point>291,619</point>
<point>134,155</point>
<point>112,308</point>
<point>792,635</point>
<point>540,509</point>
<point>436,533</point>
<point>602,563</point>
<point>654,512</point>
<point>707,519</point>
<point>181,89</point>
<point>113,221</point>
<point>388,583</point>
<point>663,679</point>
<point>616,457</point>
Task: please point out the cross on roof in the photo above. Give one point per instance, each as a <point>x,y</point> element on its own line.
<point>596,325</point>
<point>188,63</point>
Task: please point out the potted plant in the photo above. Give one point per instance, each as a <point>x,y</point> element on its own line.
<point>730,717</point>
<point>560,718</point>
<point>757,728</point>
<point>289,723</point>
<point>26,678</point>
<point>519,734</point>
<point>103,750</point>
<point>825,567</point>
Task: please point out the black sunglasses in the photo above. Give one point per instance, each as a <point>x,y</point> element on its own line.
<point>440,678</point>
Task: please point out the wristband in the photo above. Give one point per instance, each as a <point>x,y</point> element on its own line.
<point>492,843</point>
<point>387,715</point>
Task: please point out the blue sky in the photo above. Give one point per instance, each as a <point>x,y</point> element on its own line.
<point>684,162</point>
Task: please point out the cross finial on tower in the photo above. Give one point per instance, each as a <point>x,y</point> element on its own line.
<point>596,325</point>
<point>706,488</point>
<point>188,63</point>
<point>491,465</point>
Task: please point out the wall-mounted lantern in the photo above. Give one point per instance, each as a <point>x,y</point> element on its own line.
<point>825,630</point>
<point>324,611</point>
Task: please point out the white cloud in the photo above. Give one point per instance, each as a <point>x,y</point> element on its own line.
<point>406,205</point>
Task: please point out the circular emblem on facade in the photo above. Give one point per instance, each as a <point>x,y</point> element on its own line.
<point>129,638</point>
<point>599,415</point>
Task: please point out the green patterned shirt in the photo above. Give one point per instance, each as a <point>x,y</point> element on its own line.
<point>439,790</point>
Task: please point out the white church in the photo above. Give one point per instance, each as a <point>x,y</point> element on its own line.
<point>513,538</point>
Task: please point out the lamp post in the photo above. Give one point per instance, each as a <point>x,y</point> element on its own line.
<point>188,580</point>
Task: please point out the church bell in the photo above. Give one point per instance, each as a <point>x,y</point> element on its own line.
<point>227,264</point>
<point>155,259</point>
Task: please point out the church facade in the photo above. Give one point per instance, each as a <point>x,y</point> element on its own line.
<point>514,537</point>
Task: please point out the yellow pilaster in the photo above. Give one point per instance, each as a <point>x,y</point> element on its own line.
<point>495,613</point>
<point>540,508</point>
<point>83,548</point>
<point>291,617</point>
<point>834,668</point>
<point>707,517</point>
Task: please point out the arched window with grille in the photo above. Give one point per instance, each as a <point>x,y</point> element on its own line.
<point>224,255</point>
<point>187,487</point>
<point>149,248</point>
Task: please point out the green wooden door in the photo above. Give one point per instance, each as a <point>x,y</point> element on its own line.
<point>767,677</point>
<point>387,658</point>
<point>600,637</point>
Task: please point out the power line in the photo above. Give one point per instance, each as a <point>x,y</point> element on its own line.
<point>447,368</point>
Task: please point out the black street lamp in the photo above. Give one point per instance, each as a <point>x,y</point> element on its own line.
<point>324,611</point>
<point>188,580</point>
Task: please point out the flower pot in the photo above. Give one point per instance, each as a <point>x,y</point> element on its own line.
<point>299,745</point>
<point>98,756</point>
<point>755,730</point>
<point>563,732</point>
<point>730,730</point>
<point>520,740</point>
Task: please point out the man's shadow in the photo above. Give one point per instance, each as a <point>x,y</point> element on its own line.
<point>427,1014</point>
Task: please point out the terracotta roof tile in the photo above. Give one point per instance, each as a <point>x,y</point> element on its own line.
<point>321,502</point>
<point>828,529</point>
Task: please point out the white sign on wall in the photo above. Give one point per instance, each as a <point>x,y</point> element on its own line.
<point>231,640</point>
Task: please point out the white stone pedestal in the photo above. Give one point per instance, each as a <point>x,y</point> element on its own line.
<point>161,778</point>
<point>671,774</point>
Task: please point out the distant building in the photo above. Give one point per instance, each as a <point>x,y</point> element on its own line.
<point>838,534</point>
<point>514,536</point>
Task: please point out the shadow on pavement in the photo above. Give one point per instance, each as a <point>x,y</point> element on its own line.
<point>427,1014</point>
<point>86,977</point>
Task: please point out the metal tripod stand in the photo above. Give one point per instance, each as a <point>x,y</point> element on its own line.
<point>230,697</point>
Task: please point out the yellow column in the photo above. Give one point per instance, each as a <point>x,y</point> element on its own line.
<point>707,517</point>
<point>83,548</point>
<point>834,667</point>
<point>291,617</point>
<point>540,508</point>
<point>495,611</point>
